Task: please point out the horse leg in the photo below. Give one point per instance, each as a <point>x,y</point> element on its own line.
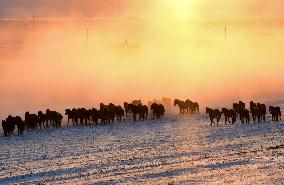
<point>264,118</point>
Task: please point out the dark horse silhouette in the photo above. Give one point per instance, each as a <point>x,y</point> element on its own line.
<point>182,106</point>
<point>70,115</point>
<point>135,110</point>
<point>258,111</point>
<point>275,112</point>
<point>213,114</point>
<point>143,112</point>
<point>196,105</point>
<point>10,123</point>
<point>244,115</point>
<point>138,109</point>
<point>95,115</point>
<point>241,110</point>
<point>158,110</point>
<point>187,107</point>
<point>262,111</point>
<point>238,107</point>
<point>119,112</point>
<point>229,114</point>
<point>32,121</point>
<point>126,108</point>
<point>55,118</point>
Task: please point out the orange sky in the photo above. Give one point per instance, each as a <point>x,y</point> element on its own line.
<point>220,9</point>
<point>50,64</point>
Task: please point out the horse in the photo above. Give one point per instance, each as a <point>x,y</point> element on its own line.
<point>55,118</point>
<point>42,119</point>
<point>126,108</point>
<point>158,110</point>
<point>70,115</point>
<point>119,112</point>
<point>8,126</point>
<point>197,107</point>
<point>94,115</point>
<point>182,106</point>
<point>262,111</point>
<point>143,112</point>
<point>254,111</point>
<point>229,113</point>
<point>275,112</point>
<point>32,121</point>
<point>244,115</point>
<point>135,110</point>
<point>213,114</point>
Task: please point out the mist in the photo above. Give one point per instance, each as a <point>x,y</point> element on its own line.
<point>58,64</point>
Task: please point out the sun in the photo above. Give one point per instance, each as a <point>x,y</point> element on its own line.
<point>181,3</point>
<point>182,8</point>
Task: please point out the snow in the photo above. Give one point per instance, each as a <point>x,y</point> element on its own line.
<point>169,151</point>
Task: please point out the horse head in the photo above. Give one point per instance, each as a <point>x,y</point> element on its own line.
<point>208,110</point>
<point>176,102</point>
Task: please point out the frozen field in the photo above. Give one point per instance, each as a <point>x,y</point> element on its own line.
<point>174,150</point>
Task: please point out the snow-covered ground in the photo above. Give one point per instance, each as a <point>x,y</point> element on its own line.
<point>173,150</point>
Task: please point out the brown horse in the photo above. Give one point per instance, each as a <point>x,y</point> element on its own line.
<point>244,115</point>
<point>229,113</point>
<point>158,110</point>
<point>213,114</point>
<point>275,112</point>
<point>182,106</point>
<point>126,108</point>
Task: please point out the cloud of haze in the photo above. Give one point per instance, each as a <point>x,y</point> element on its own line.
<point>49,64</point>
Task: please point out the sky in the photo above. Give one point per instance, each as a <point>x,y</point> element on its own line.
<point>50,64</point>
<point>205,9</point>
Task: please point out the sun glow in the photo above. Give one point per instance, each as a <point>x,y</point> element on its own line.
<point>180,9</point>
<point>183,3</point>
<point>182,52</point>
